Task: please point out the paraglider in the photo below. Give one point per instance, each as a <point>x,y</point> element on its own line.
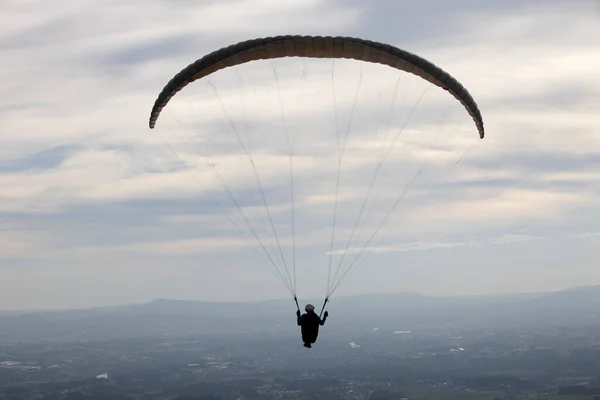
<point>309,323</point>
<point>313,47</point>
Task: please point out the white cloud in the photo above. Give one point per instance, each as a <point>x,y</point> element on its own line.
<point>78,81</point>
<point>585,235</point>
<point>424,246</point>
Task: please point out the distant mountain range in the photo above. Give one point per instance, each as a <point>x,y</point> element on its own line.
<point>577,306</point>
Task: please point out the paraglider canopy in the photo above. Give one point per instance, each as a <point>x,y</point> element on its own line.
<point>316,47</point>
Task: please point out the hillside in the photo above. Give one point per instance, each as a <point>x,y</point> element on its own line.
<point>577,306</point>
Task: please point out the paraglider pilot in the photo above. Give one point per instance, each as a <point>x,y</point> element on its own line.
<point>309,324</point>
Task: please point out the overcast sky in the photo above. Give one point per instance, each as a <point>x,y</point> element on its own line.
<point>97,209</point>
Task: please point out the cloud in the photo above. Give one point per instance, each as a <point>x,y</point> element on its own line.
<point>86,183</point>
<point>425,246</point>
<point>585,235</point>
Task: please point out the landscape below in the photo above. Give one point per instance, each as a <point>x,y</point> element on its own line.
<point>391,346</point>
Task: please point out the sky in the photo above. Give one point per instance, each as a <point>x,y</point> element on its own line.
<point>97,209</point>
